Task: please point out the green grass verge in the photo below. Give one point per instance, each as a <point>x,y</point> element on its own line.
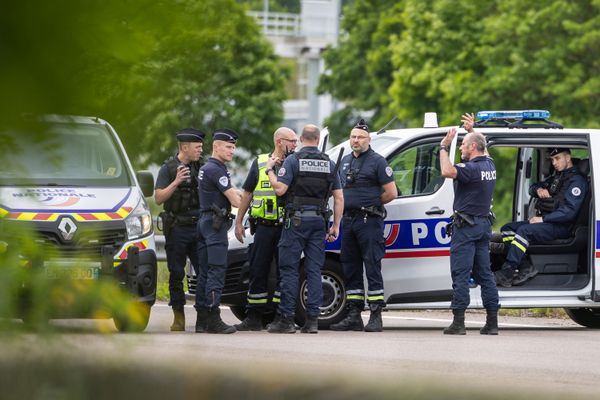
<point>534,312</point>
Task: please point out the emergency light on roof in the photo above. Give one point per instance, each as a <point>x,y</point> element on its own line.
<point>514,115</point>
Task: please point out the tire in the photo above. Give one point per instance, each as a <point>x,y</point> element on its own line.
<point>126,322</point>
<point>333,306</point>
<point>589,317</point>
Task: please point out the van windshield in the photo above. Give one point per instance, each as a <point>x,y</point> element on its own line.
<point>62,154</point>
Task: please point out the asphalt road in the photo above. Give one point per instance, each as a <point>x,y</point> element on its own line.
<point>552,356</point>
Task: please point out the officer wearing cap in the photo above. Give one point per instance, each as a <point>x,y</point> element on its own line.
<point>368,184</point>
<point>559,199</point>
<point>266,216</point>
<point>177,188</point>
<point>306,179</point>
<point>217,196</point>
<point>475,180</point>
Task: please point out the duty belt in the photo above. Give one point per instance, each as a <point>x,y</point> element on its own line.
<point>371,211</point>
<point>268,222</point>
<point>185,219</point>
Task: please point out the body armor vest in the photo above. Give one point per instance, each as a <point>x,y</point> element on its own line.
<point>557,190</point>
<point>185,197</point>
<point>264,199</point>
<point>311,186</point>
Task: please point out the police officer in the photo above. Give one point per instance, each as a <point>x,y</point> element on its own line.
<point>475,180</point>
<point>266,215</point>
<point>177,187</point>
<point>368,184</point>
<point>559,200</point>
<point>306,179</point>
<point>217,196</point>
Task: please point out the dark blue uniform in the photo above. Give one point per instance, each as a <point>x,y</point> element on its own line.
<point>181,239</point>
<point>213,181</point>
<point>362,179</point>
<point>264,249</point>
<point>469,249</point>
<point>568,189</point>
<point>304,232</point>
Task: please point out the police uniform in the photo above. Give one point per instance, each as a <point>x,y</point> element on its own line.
<point>308,175</point>
<point>267,215</point>
<point>180,216</point>
<point>213,180</point>
<point>567,190</point>
<point>471,232</point>
<point>362,235</point>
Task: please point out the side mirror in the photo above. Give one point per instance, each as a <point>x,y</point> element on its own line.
<point>146,181</point>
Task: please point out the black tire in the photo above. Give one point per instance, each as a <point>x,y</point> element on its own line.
<point>125,323</point>
<point>333,307</point>
<point>589,317</point>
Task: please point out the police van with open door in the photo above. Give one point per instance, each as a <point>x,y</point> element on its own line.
<point>68,182</point>
<point>416,267</point>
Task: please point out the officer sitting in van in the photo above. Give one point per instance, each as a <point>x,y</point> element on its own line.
<point>559,199</point>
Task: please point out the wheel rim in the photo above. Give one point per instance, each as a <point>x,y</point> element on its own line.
<point>333,295</point>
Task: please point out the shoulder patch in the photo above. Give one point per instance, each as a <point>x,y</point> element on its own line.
<point>461,165</point>
<point>576,191</point>
<point>389,171</point>
<point>223,181</point>
<point>281,172</point>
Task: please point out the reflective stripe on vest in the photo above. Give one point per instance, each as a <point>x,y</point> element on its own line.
<point>264,199</point>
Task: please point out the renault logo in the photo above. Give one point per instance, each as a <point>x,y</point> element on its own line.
<point>67,228</point>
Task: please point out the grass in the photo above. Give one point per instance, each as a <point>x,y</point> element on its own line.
<point>162,284</point>
<point>534,312</point>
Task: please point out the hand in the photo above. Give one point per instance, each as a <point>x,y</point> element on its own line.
<point>536,220</point>
<point>240,232</point>
<point>272,161</point>
<point>447,140</point>
<point>333,233</point>
<point>543,193</point>
<point>183,173</point>
<point>468,121</point>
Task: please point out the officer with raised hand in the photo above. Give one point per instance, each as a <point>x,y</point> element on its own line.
<point>266,214</point>
<point>560,198</point>
<point>305,179</point>
<point>368,184</point>
<point>217,196</point>
<point>177,188</point>
<point>475,178</point>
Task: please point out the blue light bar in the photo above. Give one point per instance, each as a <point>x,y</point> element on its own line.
<point>513,114</point>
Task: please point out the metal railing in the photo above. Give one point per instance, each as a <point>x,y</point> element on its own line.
<point>277,23</point>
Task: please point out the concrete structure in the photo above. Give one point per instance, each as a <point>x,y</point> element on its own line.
<point>301,38</point>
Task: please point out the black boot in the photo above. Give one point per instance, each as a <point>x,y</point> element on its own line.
<point>215,324</point>
<point>352,322</point>
<point>178,319</point>
<point>282,325</point>
<point>491,324</point>
<point>375,323</point>
<point>504,276</point>
<point>311,325</point>
<point>252,322</point>
<point>201,319</point>
<point>457,327</point>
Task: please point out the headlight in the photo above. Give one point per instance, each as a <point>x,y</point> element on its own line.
<point>139,222</point>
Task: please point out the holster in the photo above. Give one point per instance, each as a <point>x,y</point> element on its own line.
<point>219,216</point>
<point>252,222</point>
<point>461,219</point>
<point>167,220</point>
<point>376,211</point>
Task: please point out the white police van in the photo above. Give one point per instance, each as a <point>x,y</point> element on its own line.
<point>416,267</point>
<point>69,181</point>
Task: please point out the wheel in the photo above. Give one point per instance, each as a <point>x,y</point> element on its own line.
<point>332,308</point>
<point>134,319</point>
<point>589,317</point>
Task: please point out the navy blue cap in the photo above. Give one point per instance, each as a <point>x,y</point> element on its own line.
<point>557,150</point>
<point>361,124</point>
<point>226,135</point>
<point>190,135</point>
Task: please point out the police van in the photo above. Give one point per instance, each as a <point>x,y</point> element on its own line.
<point>68,181</point>
<point>416,267</point>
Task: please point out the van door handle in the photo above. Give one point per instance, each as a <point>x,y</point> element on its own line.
<point>435,211</point>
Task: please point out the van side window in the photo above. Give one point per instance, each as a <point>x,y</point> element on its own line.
<point>417,169</point>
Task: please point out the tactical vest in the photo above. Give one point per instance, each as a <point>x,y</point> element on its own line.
<point>264,199</point>
<point>185,197</point>
<point>311,186</point>
<point>557,191</point>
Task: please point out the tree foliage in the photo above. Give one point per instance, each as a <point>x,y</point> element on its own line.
<point>148,67</point>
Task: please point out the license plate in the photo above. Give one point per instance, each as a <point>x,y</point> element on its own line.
<point>69,269</point>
